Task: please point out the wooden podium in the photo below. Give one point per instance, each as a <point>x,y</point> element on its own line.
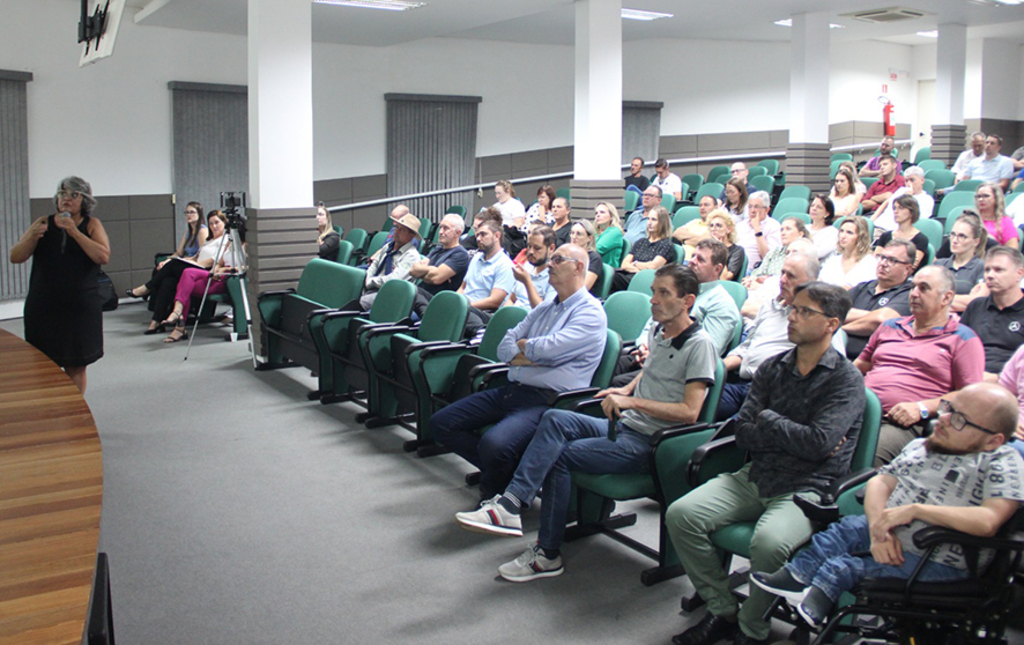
<point>51,494</point>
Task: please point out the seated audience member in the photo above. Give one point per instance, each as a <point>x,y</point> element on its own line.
<point>722,227</point>
<point>761,292</point>
<point>163,284</point>
<point>714,309</point>
<point>583,236</point>
<point>532,286</point>
<point>993,167</point>
<point>844,195</point>
<point>540,210</point>
<point>636,223</point>
<point>556,348</point>
<point>912,493</point>
<point>906,212</point>
<point>468,239</point>
<point>998,318</point>
<point>740,172</point>
<point>886,150</point>
<point>669,391</point>
<point>881,299</point>
<point>991,206</point>
<point>397,213</point>
<point>791,230</point>
<point>1017,181</point>
<point>393,261</point>
<point>767,335</point>
<point>696,229</point>
<point>736,199</point>
<point>636,175</point>
<point>976,150</point>
<point>889,181</point>
<point>800,425</point>
<point>821,231</point>
<point>489,278</point>
<point>666,181</point>
<point>445,266</point>
<point>608,227</point>
<point>1012,378</point>
<point>884,217</point>
<point>859,186</point>
<point>967,241</point>
<point>563,221</point>
<point>912,362</point>
<point>758,234</point>
<point>513,213</point>
<point>193,284</point>
<point>651,252</point>
<point>327,238</point>
<point>852,262</point>
<point>1018,158</point>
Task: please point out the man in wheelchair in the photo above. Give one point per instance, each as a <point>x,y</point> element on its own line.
<point>962,477</point>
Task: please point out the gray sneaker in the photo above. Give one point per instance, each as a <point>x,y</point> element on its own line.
<point>531,565</point>
<point>816,607</point>
<point>781,583</point>
<point>491,518</point>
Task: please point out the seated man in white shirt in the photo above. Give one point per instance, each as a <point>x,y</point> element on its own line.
<point>668,182</point>
<point>974,151</point>
<point>993,167</point>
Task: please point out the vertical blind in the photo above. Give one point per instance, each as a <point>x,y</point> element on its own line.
<point>641,127</point>
<point>431,144</point>
<point>15,215</point>
<point>211,144</point>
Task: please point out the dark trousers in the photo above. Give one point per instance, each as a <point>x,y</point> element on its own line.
<point>515,410</point>
<point>162,286</point>
<point>733,395</point>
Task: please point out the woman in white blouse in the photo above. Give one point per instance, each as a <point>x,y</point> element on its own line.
<point>513,213</point>
<point>853,262</point>
<point>822,232</point>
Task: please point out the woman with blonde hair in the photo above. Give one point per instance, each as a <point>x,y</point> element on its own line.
<point>608,227</point>
<point>651,252</point>
<point>853,262</point>
<point>583,235</point>
<point>991,205</point>
<point>327,237</point>
<point>513,213</point>
<point>967,241</point>
<point>844,193</point>
<point>722,228</point>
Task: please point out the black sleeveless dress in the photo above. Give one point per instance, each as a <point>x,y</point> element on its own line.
<point>63,309</point>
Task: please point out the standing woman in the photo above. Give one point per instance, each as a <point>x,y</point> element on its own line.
<point>327,237</point>
<point>608,227</point>
<point>991,205</point>
<point>63,310</point>
<point>824,235</point>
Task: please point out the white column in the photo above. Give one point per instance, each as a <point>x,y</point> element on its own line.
<point>280,104</point>
<point>598,122</point>
<point>950,66</point>
<point>808,80</point>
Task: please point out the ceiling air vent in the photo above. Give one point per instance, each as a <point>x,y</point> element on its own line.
<point>885,16</point>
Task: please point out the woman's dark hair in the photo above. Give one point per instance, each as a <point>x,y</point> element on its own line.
<point>193,233</point>
<point>741,186</point>
<point>830,208</point>
<point>550,192</point>
<point>908,202</point>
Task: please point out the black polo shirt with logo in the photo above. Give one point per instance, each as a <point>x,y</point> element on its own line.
<point>1001,330</point>
<point>864,297</point>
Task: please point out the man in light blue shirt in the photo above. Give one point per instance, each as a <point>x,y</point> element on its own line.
<point>556,348</point>
<point>532,286</point>
<point>636,224</point>
<point>489,278</point>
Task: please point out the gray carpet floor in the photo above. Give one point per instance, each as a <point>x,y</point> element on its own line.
<point>236,511</point>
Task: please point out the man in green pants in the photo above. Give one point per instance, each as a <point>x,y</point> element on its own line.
<point>800,423</point>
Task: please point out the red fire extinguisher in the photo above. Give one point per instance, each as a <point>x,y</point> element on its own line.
<point>889,119</point>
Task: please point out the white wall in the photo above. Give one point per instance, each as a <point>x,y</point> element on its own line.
<point>859,70</point>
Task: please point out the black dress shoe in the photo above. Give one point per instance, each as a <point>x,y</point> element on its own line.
<point>708,631</point>
<point>743,639</point>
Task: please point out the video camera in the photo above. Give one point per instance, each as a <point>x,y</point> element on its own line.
<point>232,204</point>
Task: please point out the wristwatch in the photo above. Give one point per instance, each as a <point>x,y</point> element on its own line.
<point>924,410</point>
<point>759,234</point>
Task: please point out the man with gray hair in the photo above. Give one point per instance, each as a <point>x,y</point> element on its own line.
<point>758,234</point>
<point>974,151</point>
<point>912,362</point>
<point>886,297</point>
<point>445,266</point>
<point>769,333</point>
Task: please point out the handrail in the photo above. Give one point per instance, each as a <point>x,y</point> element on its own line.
<point>870,146</point>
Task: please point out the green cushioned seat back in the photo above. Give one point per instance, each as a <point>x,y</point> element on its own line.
<point>771,164</point>
<point>612,348</point>
<point>736,290</point>
<point>932,164</point>
<point>628,312</point>
<point>790,205</point>
<point>707,411</point>
<point>357,237</point>
<point>376,242</point>
<point>685,215</point>
<point>629,201</point>
<point>953,200</point>
<point>503,320</point>
<point>393,301</point>
<point>765,183</point>
<point>712,188</point>
<point>445,317</point>
<point>867,442</point>
<point>642,281</point>
<point>344,252</point>
<point>720,174</point>
<point>603,284</point>
<point>329,283</point>
<point>694,181</point>
<point>942,178</point>
<point>803,192</point>
<point>931,229</point>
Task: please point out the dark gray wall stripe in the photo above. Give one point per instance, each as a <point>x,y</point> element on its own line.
<point>15,211</point>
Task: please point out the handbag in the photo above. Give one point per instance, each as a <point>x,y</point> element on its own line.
<point>107,292</point>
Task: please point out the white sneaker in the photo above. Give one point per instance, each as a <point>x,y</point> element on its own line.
<point>491,518</point>
<point>531,565</point>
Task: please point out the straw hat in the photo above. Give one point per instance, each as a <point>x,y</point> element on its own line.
<point>412,223</point>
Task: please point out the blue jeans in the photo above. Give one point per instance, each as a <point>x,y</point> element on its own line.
<point>828,564</point>
<point>565,442</point>
<point>733,396</point>
<point>514,409</point>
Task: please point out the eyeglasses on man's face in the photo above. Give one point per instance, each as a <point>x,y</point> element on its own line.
<point>806,312</point>
<point>957,419</point>
<point>888,259</point>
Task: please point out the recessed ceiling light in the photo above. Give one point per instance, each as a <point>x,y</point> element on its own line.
<point>638,14</point>
<point>788,22</point>
<point>934,33</point>
<point>387,5</point>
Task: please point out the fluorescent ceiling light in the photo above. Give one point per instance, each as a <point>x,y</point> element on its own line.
<point>934,33</point>
<point>788,22</point>
<point>638,14</point>
<point>387,5</point>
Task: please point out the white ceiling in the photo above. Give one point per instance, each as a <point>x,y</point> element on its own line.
<point>552,21</point>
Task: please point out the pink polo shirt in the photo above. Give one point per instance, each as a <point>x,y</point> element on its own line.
<point>1012,378</point>
<point>905,367</point>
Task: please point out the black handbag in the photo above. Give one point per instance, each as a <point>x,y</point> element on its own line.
<point>108,294</point>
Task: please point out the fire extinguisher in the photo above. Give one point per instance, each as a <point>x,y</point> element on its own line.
<point>889,119</point>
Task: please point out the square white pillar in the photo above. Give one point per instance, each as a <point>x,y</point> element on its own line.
<point>598,118</point>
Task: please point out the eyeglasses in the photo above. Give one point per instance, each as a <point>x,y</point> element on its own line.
<point>558,259</point>
<point>958,420</point>
<point>960,237</point>
<point>651,195</point>
<point>716,225</point>
<point>68,194</point>
<point>191,212</point>
<point>804,312</point>
<point>888,259</point>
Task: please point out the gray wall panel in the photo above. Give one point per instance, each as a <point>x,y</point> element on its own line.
<point>640,129</point>
<point>15,210</point>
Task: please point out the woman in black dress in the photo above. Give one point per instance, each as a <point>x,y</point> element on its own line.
<point>327,237</point>
<point>63,310</point>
